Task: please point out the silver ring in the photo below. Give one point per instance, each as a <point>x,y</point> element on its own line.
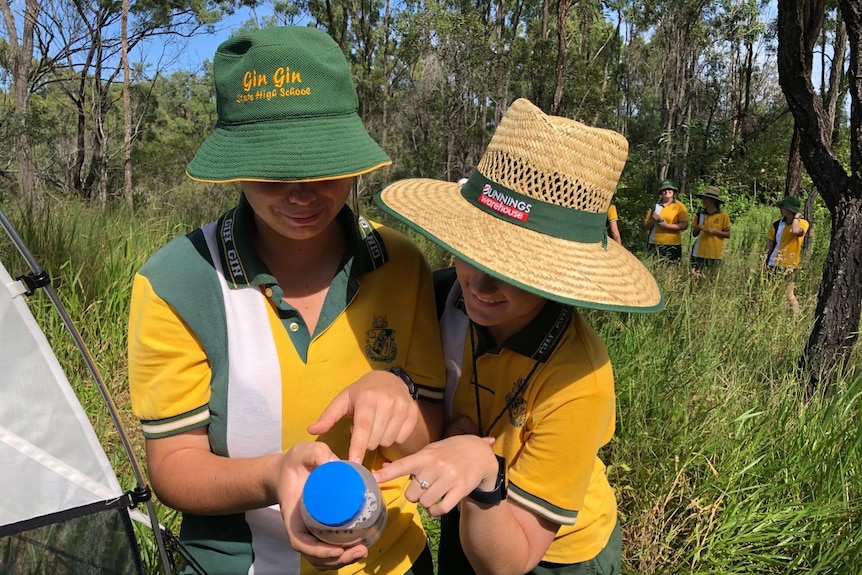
<point>422,484</point>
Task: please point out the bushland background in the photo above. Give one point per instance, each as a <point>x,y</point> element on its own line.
<point>720,463</point>
<point>723,463</point>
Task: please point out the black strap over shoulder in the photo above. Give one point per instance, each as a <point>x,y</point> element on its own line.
<point>444,279</point>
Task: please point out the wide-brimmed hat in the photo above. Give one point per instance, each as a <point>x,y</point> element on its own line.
<point>713,193</point>
<point>533,213</point>
<point>668,184</point>
<point>791,203</point>
<point>287,111</point>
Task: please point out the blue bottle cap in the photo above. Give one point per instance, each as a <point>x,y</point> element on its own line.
<point>334,493</point>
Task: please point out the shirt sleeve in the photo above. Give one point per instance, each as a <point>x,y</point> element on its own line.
<point>424,359</point>
<point>169,374</point>
<point>573,418</point>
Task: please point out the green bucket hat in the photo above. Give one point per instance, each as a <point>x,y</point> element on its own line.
<point>287,112</point>
<point>791,203</point>
<point>668,184</point>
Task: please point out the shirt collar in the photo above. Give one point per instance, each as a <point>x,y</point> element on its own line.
<point>538,339</point>
<point>364,250</point>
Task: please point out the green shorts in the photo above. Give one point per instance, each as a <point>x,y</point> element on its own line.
<point>607,562</point>
<point>666,253</point>
<point>704,263</point>
<point>452,561</point>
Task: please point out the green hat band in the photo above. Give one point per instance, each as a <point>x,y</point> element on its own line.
<point>532,214</point>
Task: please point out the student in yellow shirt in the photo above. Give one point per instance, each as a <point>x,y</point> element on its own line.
<point>784,245</point>
<point>530,392</point>
<point>711,227</point>
<point>613,225</point>
<point>271,340</point>
<point>665,222</point>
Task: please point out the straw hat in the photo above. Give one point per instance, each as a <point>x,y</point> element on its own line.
<point>287,112</point>
<point>712,192</point>
<point>533,213</point>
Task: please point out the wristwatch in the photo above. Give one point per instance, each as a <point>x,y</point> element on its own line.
<point>499,492</point>
<point>411,386</point>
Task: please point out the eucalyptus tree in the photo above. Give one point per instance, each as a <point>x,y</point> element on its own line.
<point>839,300</point>
<point>19,48</point>
<point>440,89</point>
<point>666,77</point>
<point>569,62</point>
<point>697,89</point>
<point>77,46</point>
<point>831,47</point>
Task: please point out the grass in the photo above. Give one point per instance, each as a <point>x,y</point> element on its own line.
<point>719,464</point>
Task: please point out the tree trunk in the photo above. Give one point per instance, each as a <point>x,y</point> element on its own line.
<point>839,300</point>
<point>562,55</point>
<point>127,108</point>
<point>21,56</point>
<point>793,181</point>
<point>387,76</point>
<point>833,93</point>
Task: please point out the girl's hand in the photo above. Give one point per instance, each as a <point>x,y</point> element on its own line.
<point>446,471</point>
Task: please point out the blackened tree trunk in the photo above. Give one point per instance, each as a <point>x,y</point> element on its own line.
<point>839,299</point>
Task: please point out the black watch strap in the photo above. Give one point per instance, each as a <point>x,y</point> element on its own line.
<point>411,386</point>
<point>499,492</point>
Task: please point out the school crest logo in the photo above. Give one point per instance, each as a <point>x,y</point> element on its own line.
<point>380,341</point>
<point>516,403</point>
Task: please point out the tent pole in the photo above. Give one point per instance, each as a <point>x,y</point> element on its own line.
<point>142,487</point>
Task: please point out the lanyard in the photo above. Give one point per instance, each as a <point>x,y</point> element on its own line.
<point>475,383</point>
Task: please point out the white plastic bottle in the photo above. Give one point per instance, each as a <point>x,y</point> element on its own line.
<point>341,504</point>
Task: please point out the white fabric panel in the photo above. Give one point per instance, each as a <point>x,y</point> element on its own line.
<point>254,423</point>
<point>254,393</point>
<point>50,456</point>
<point>273,554</point>
<point>454,325</point>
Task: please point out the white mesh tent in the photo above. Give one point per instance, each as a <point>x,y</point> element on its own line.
<point>62,510</point>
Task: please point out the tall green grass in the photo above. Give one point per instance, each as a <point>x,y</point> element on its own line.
<point>719,463</point>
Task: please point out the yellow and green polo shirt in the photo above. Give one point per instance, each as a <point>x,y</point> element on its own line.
<point>547,396</point>
<point>708,246</point>
<point>788,246</point>
<point>672,213</point>
<point>211,343</point>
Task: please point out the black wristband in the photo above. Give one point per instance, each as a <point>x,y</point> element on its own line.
<point>499,492</point>
<point>411,386</point>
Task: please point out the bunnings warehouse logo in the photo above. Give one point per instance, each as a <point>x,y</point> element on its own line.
<point>504,204</point>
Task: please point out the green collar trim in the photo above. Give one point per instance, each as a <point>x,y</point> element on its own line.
<point>532,214</point>
<point>537,340</point>
<point>365,249</point>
